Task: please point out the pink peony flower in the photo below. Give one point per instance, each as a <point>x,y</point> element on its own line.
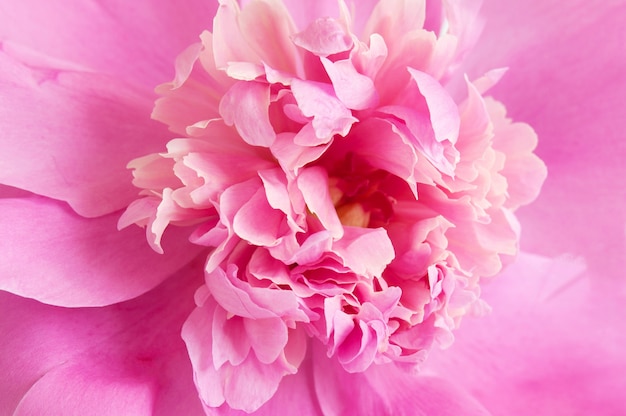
<point>333,197</point>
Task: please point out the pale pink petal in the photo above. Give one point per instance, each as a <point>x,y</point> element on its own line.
<point>182,104</point>
<point>318,100</point>
<point>264,23</point>
<point>323,37</point>
<point>552,344</point>
<point>392,19</point>
<point>444,114</point>
<point>246,106</point>
<point>432,117</point>
<point>355,90</point>
<point>229,44</point>
<point>73,361</point>
<point>366,251</point>
<point>70,135</point>
<point>57,257</point>
<point>313,183</point>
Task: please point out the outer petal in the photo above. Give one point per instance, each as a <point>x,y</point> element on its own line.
<point>111,36</point>
<point>51,254</point>
<point>386,390</point>
<point>122,359</point>
<point>551,345</point>
<point>572,93</point>
<point>68,135</point>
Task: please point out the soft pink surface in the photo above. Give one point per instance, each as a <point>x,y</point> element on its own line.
<point>77,93</point>
<point>123,359</point>
<point>567,79</point>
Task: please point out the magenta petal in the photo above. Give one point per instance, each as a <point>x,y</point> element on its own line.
<point>53,255</point>
<point>121,359</point>
<point>88,384</point>
<point>69,135</point>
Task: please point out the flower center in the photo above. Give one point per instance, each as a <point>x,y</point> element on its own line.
<point>359,200</point>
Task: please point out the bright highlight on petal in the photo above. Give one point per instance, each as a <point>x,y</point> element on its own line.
<point>351,201</point>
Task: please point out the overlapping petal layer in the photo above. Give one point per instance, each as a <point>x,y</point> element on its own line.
<point>351,187</point>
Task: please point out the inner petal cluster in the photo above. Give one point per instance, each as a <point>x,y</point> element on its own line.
<point>344,195</point>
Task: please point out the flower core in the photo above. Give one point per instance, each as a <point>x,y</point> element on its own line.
<point>346,196</point>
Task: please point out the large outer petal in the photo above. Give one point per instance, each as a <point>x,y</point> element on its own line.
<point>122,359</point>
<point>52,255</point>
<point>115,37</point>
<point>68,134</point>
<point>567,79</point>
<point>79,109</point>
<point>552,345</point>
<point>386,390</point>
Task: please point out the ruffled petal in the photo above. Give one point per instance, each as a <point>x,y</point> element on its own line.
<point>52,255</point>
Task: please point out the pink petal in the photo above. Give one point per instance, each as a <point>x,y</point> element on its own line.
<point>89,384</point>
<point>67,361</point>
<point>355,90</point>
<point>262,233</point>
<point>268,338</point>
<point>112,37</point>
<point>229,44</point>
<point>313,183</point>
<point>386,390</point>
<point>70,135</point>
<point>552,344</point>
<point>323,37</point>
<point>246,106</point>
<point>432,117</point>
<point>384,146</point>
<point>246,386</point>
<point>317,100</point>
<point>582,206</point>
<point>392,19</point>
<point>295,396</point>
<point>444,114</point>
<point>57,257</point>
<point>269,23</point>
<point>182,104</point>
<point>229,341</point>
<point>365,251</point>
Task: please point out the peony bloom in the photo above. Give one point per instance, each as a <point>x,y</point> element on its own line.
<point>332,189</point>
